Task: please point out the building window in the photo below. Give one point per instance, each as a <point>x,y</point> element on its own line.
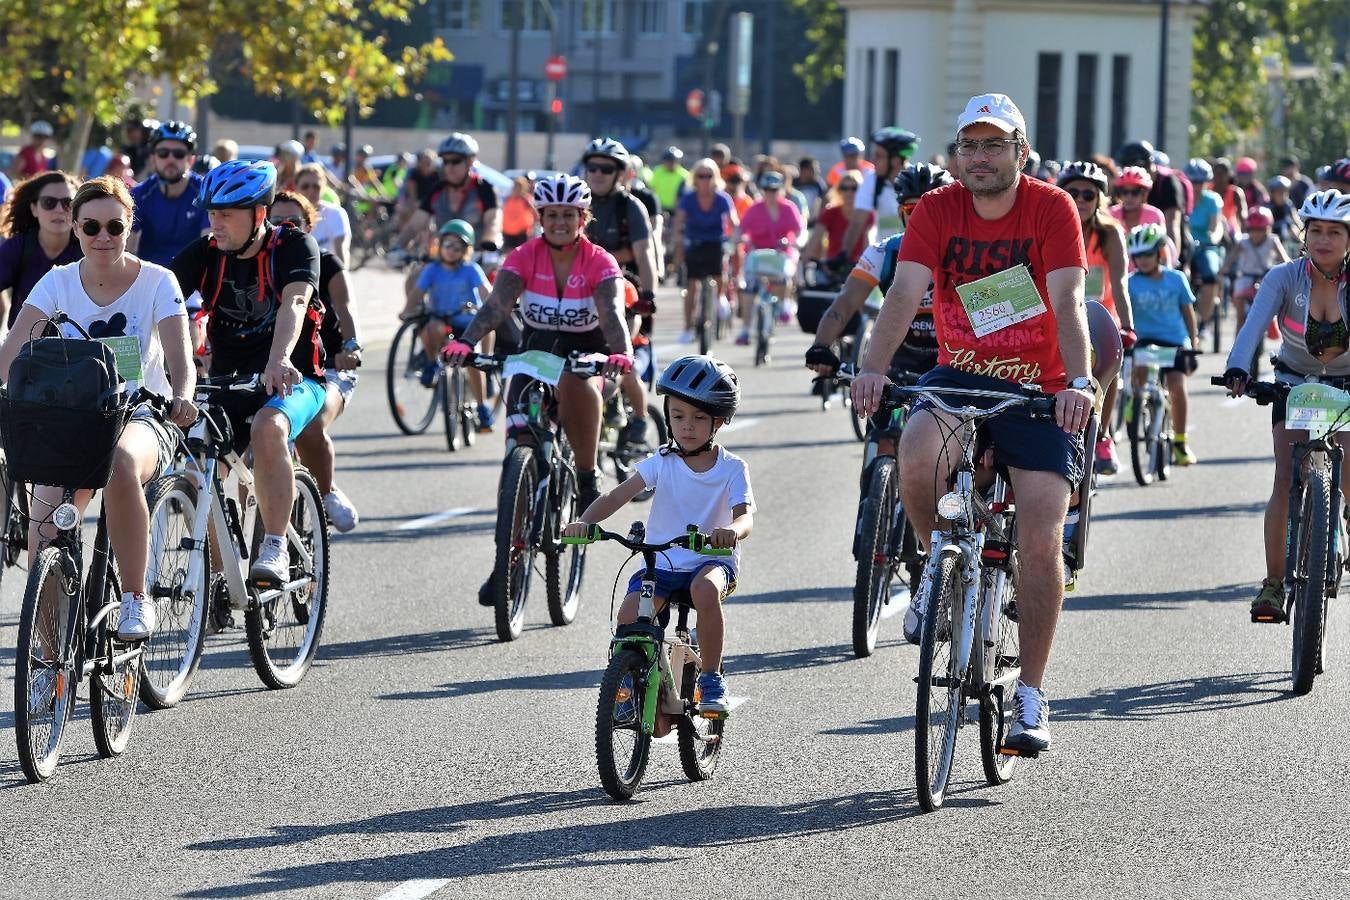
<point>1085,107</point>
<point>460,15</point>
<point>693,16</point>
<point>532,16</point>
<point>1120,100</point>
<point>870,101</point>
<point>890,94</point>
<point>651,16</point>
<point>1048,67</point>
<point>597,16</point>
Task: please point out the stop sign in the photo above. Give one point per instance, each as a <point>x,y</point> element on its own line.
<point>556,68</point>
<point>693,103</point>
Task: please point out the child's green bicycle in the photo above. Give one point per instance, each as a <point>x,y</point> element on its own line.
<point>648,672</point>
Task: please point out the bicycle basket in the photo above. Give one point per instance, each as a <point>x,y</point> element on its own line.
<point>766,264</point>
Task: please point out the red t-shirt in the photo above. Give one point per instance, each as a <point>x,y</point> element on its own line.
<point>835,223</point>
<point>1041,231</point>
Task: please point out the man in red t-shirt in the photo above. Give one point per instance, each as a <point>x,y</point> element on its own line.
<point>31,158</point>
<point>997,222</point>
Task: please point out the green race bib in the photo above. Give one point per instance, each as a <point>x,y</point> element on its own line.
<point>537,364</point>
<point>1316,408</point>
<point>1148,355</point>
<point>1095,283</point>
<point>127,350</point>
<point>1000,300</point>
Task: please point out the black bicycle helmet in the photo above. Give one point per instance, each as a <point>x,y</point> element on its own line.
<point>205,163</point>
<point>1135,153</point>
<point>174,130</point>
<point>896,141</point>
<point>917,179</point>
<point>703,381</point>
<point>1084,170</point>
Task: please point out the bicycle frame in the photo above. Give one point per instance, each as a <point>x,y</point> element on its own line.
<point>1320,452</point>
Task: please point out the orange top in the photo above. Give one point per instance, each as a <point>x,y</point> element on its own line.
<point>838,169</point>
<point>1099,274</point>
<point>518,216</point>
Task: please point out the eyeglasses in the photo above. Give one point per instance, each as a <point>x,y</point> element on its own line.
<point>704,176</point>
<point>165,153</point>
<point>601,168</point>
<point>1085,194</point>
<point>49,203</point>
<point>92,227</point>
<point>288,220</point>
<point>988,146</point>
<point>1131,192</point>
<point>453,160</point>
<point>847,189</point>
<point>907,206</point>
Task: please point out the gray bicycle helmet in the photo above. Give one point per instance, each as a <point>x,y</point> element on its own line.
<point>607,148</point>
<point>1084,170</point>
<point>458,143</point>
<point>1198,170</point>
<point>707,383</point>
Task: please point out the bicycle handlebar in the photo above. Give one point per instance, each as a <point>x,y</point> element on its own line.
<point>1039,405</point>
<point>692,539</point>
<point>577,363</point>
<point>1263,392</point>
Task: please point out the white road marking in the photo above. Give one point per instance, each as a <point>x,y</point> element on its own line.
<point>670,739</point>
<point>737,425</point>
<point>415,889</point>
<point>438,518</point>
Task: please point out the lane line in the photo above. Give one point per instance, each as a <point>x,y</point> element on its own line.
<point>737,425</point>
<point>415,889</point>
<point>670,739</point>
<point>438,518</point>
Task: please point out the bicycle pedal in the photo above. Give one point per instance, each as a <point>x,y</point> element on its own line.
<point>712,714</point>
<point>1270,619</point>
<point>1005,750</point>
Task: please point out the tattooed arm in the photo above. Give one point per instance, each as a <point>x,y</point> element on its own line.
<point>846,305</point>
<point>610,309</point>
<point>494,313</point>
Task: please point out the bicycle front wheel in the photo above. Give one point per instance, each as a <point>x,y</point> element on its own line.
<point>173,654</point>
<point>1310,590</point>
<point>1141,443</point>
<point>412,404</point>
<point>861,338</point>
<point>44,666</point>
<point>876,568</point>
<point>621,746</point>
<point>284,630</point>
<point>113,686</point>
<point>515,542</point>
<point>706,312</point>
<point>939,707</point>
<point>450,392</point>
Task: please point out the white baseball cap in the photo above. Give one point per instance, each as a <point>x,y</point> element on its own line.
<point>996,109</point>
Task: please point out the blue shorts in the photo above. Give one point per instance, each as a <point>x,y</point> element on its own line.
<point>458,321</point>
<point>1020,442</point>
<point>668,582</point>
<point>300,408</point>
<point>1205,264</point>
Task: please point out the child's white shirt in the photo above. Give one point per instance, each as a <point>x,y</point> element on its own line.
<point>684,497</point>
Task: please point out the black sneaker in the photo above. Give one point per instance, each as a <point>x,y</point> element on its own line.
<point>633,437</point>
<point>487,593</point>
<point>588,489</point>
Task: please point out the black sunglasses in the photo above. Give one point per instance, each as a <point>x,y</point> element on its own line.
<point>288,220</point>
<point>601,168</point>
<point>452,160</point>
<point>847,189</point>
<point>49,203</point>
<point>1084,194</point>
<point>165,153</point>
<point>701,176</point>
<point>1131,192</point>
<point>92,227</point>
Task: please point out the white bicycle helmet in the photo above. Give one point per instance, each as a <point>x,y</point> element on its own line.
<point>1146,239</point>
<point>458,143</point>
<point>1198,170</point>
<point>1329,206</point>
<point>608,148</point>
<point>562,190</point>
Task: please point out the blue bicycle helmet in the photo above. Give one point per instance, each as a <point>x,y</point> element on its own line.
<point>238,184</point>
<point>852,145</point>
<point>174,131</point>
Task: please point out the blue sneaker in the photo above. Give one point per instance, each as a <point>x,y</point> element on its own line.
<point>429,374</point>
<point>712,694</point>
<point>484,418</point>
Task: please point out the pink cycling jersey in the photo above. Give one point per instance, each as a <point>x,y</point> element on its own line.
<point>541,305</point>
<point>764,233</point>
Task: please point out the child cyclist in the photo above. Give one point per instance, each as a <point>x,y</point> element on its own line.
<point>696,482</point>
<point>454,287</point>
<point>1164,315</point>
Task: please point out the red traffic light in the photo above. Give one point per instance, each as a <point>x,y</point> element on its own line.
<point>693,103</point>
<point>556,106</point>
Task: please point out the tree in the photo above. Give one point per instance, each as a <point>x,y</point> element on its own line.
<point>824,64</point>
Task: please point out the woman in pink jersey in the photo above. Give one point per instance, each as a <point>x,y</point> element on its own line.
<point>770,223</point>
<point>1132,186</point>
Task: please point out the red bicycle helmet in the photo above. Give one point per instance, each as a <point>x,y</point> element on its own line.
<point>1260,217</point>
<point>1134,176</point>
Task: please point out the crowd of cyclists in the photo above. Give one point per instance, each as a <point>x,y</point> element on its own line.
<point>241,265</point>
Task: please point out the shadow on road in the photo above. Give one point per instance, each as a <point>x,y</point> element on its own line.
<point>1143,703</point>
<point>794,595</point>
<point>1225,593</point>
<point>1183,512</point>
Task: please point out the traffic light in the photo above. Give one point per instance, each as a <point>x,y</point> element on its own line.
<point>556,106</point>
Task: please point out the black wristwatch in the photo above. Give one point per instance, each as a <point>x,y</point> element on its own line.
<point>351,345</point>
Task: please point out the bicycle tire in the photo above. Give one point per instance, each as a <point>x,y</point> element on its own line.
<point>42,716</point>
<point>564,564</point>
<point>1137,427</point>
<point>1005,655</point>
<point>468,412</point>
<point>449,394</point>
<point>1216,318</point>
<point>861,427</point>
<point>403,386</point>
<point>875,567</point>
<point>284,632</point>
<point>761,335</point>
<point>704,324</point>
<point>1309,594</point>
<point>7,511</point>
<point>515,550</point>
<point>173,653</point>
<point>113,690</point>
<point>619,710</point>
<point>939,706</point>
<point>699,739</point>
<point>1164,443</point>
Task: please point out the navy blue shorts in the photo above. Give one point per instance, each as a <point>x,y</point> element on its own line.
<point>668,582</point>
<point>1205,264</point>
<point>1020,442</point>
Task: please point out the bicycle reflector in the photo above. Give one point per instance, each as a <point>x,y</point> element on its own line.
<point>951,507</point>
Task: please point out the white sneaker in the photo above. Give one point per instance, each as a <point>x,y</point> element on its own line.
<point>686,336</point>
<point>272,567</point>
<point>918,606</point>
<point>1030,730</point>
<point>136,619</point>
<point>340,510</point>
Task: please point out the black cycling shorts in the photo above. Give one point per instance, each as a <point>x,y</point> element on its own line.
<point>704,260</point>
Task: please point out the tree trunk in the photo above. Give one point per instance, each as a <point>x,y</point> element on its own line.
<point>72,149</point>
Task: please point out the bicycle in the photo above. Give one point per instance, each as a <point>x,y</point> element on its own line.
<point>538,492</point>
<point>709,324</point>
<point>623,458</point>
<point>648,672</point>
<point>1316,547</point>
<point>204,529</point>
<point>13,517</point>
<point>1148,414</point>
<point>415,380</point>
<point>763,268</point>
<point>969,650</point>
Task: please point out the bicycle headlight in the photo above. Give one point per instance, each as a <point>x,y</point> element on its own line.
<point>66,516</point>
<point>952,507</point>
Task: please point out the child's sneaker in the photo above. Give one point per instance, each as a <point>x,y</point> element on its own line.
<point>712,693</point>
<point>1107,461</point>
<point>484,418</point>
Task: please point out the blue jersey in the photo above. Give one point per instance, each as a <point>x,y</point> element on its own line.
<point>452,290</point>
<point>1157,304</point>
<point>919,350</point>
<point>167,226</point>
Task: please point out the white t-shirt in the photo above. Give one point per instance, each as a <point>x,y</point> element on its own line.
<point>332,227</point>
<point>684,497</point>
<point>153,297</point>
<point>885,204</point>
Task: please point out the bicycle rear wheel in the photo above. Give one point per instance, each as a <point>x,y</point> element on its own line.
<point>564,564</point>
<point>114,683</point>
<point>700,739</point>
<point>44,665</point>
<point>1163,444</point>
<point>705,312</point>
<point>8,550</point>
<point>876,568</point>
<point>621,747</point>
<point>761,331</point>
<point>284,631</point>
<point>1309,595</point>
<point>412,405</point>
<point>515,543</point>
<point>1004,663</point>
<point>174,652</point>
<point>450,393</point>
<point>939,707</point>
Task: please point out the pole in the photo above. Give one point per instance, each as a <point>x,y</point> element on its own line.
<point>348,124</point>
<point>766,78</point>
<point>550,162</point>
<point>513,102</point>
<point>595,81</point>
<point>1161,126</point>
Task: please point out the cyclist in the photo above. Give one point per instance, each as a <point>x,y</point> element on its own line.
<point>1107,264</point>
<point>333,227</point>
<point>288,163</point>
<point>827,235</point>
<point>258,285</point>
<point>696,481</point>
<point>36,227</point>
<point>812,186</point>
<point>166,218</point>
<point>703,216</point>
<point>1253,191</point>
<point>668,179</point>
<point>342,354</point>
<point>1207,233</point>
<point>770,223</point>
<point>571,300</point>
<point>1307,298</point>
<point>994,220</point>
<point>32,157</point>
<point>1233,200</point>
<point>1132,187</point>
<point>891,149</point>
<point>1252,257</point>
<point>1166,192</point>
<point>1300,185</point>
<point>121,300</point>
<point>619,224</point>
<point>1164,315</point>
<point>851,159</point>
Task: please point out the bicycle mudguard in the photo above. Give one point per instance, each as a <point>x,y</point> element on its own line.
<point>652,632</point>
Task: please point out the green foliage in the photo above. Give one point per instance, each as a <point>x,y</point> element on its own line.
<point>824,64</point>
<point>1227,76</point>
<point>1313,129</point>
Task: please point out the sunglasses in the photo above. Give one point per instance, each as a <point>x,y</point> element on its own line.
<point>1084,194</point>
<point>453,160</point>
<point>601,168</point>
<point>704,176</point>
<point>288,220</point>
<point>1131,192</point>
<point>165,153</point>
<point>50,203</point>
<point>847,189</point>
<point>735,181</point>
<point>92,227</point>
<point>453,243</point>
<point>908,206</point>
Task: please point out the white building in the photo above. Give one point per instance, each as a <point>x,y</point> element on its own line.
<point>1085,73</point>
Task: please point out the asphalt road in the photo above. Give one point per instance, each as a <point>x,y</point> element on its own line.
<point>423,758</point>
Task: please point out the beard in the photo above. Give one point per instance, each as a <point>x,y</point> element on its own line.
<point>991,184</point>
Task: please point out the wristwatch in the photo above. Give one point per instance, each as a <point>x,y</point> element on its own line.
<point>351,345</point>
<point>1083,383</point>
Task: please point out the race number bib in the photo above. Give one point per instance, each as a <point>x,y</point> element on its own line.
<point>127,350</point>
<point>1001,300</point>
<point>1316,408</point>
<point>1153,356</point>
<point>537,364</point>
<point>1095,283</point>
